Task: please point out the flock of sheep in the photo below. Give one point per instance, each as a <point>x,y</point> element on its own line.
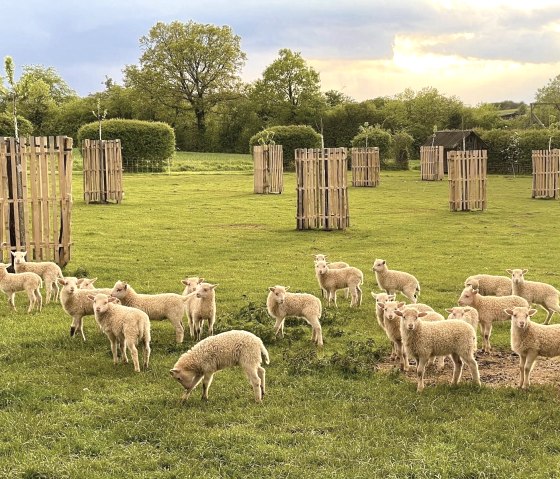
<point>415,330</point>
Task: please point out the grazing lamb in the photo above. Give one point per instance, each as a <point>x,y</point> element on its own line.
<point>490,309</point>
<point>393,281</point>
<point>281,304</point>
<point>530,340</point>
<point>29,282</point>
<point>232,348</point>
<point>333,265</point>
<point>157,306</point>
<point>201,306</point>
<point>124,327</point>
<point>466,313</point>
<point>490,285</point>
<point>331,280</point>
<point>423,340</point>
<point>191,284</point>
<point>543,294</point>
<point>48,271</point>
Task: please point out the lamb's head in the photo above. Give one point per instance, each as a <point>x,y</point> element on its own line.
<point>467,296</point>
<point>517,275</point>
<point>473,283</point>
<point>86,283</point>
<point>382,297</point>
<point>390,309</point>
<point>321,267</point>
<point>101,302</point>
<point>205,290</point>
<point>410,317</point>
<point>278,293</point>
<point>191,284</point>
<point>320,257</point>
<point>520,316</point>
<point>19,256</point>
<point>189,379</point>
<point>457,312</point>
<point>120,290</point>
<point>69,284</point>
<point>379,265</point>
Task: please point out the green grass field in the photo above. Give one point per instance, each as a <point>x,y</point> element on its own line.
<point>67,412</point>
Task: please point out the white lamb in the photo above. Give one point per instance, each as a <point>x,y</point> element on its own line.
<point>157,306</point>
<point>490,309</point>
<point>466,313</point>
<point>86,283</point>
<point>393,281</point>
<point>48,270</point>
<point>490,285</point>
<point>232,348</point>
<point>331,280</point>
<point>392,328</point>
<point>333,265</point>
<point>31,283</point>
<point>191,284</point>
<point>423,340</point>
<point>281,304</point>
<point>124,327</point>
<point>530,340</point>
<point>543,294</point>
<point>201,306</point>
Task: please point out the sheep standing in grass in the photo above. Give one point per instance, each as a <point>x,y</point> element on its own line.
<point>543,294</point>
<point>29,282</point>
<point>124,327</point>
<point>393,281</point>
<point>333,265</point>
<point>392,328</point>
<point>281,304</point>
<point>157,306</point>
<point>490,285</point>
<point>530,340</point>
<point>331,280</point>
<point>201,306</point>
<point>490,309</point>
<point>49,272</point>
<point>232,348</point>
<point>466,313</point>
<point>191,284</point>
<point>423,340</point>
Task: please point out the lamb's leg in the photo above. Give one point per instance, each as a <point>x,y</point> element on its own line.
<point>48,290</point>
<point>255,381</point>
<point>316,332</point>
<point>529,364</point>
<point>134,353</point>
<point>420,369</point>
<point>31,296</point>
<point>486,332</point>
<point>551,309</point>
<point>188,391</point>
<point>401,354</point>
<point>147,352</point>
<point>177,322</point>
<point>332,293</point>
<point>359,295</point>
<point>114,349</point>
<point>262,373</point>
<point>279,327</point>
<point>522,360</point>
<point>206,381</point>
<point>473,366</point>
<point>11,300</point>
<point>457,368</point>
<point>39,298</point>
<point>410,294</point>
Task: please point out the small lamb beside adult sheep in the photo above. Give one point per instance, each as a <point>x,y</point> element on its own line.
<point>393,281</point>
<point>232,348</point>
<point>29,282</point>
<point>490,309</point>
<point>124,327</point>
<point>543,294</point>
<point>333,265</point>
<point>423,340</point>
<point>157,306</point>
<point>201,306</point>
<point>530,340</point>
<point>331,280</point>
<point>281,304</point>
<point>490,285</point>
<point>49,272</point>
<point>191,284</point>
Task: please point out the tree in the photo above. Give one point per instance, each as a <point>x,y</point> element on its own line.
<point>334,98</point>
<point>10,94</point>
<point>188,65</point>
<point>550,93</point>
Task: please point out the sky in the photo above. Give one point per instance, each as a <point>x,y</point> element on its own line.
<point>478,51</point>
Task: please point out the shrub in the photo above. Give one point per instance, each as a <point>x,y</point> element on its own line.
<point>25,127</point>
<point>290,137</point>
<point>402,146</point>
<point>375,137</point>
<point>146,145</point>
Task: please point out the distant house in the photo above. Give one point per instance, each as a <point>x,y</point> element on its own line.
<point>455,140</point>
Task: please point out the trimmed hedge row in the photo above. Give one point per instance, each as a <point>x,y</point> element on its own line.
<point>25,127</point>
<point>146,145</point>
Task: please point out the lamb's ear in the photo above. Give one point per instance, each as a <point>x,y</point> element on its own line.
<point>185,282</point>
<point>174,372</point>
<point>91,297</point>
<point>475,291</point>
<point>374,295</point>
<point>525,271</point>
<point>271,288</point>
<point>287,288</point>
<point>532,312</point>
<point>384,262</point>
<point>421,314</point>
<point>200,280</point>
<point>509,271</point>
<point>391,296</point>
<point>449,310</point>
<point>13,253</point>
<point>125,286</point>
<point>214,286</point>
<point>382,305</point>
<point>112,299</point>
<point>509,311</point>
<point>25,253</point>
<point>398,312</point>
<point>93,280</point>
<point>80,281</point>
<point>400,304</point>
<point>61,281</point>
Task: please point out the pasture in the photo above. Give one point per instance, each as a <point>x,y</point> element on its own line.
<point>66,411</point>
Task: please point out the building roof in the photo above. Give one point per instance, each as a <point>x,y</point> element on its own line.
<point>451,138</point>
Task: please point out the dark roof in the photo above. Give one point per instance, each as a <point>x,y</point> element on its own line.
<point>451,138</point>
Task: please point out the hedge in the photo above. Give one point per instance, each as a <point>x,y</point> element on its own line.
<point>378,137</point>
<point>25,127</point>
<point>290,137</point>
<point>146,145</point>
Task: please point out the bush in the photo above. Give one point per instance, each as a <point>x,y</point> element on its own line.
<point>375,137</point>
<point>146,145</point>
<point>25,127</point>
<point>290,137</point>
<point>402,146</point>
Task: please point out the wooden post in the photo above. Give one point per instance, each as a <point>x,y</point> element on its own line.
<point>102,171</point>
<point>268,169</point>
<point>546,174</point>
<point>365,166</point>
<point>431,163</point>
<point>467,180</point>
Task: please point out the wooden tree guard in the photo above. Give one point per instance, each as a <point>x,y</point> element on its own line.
<point>467,180</point>
<point>546,174</point>
<point>365,166</point>
<point>36,197</point>
<point>268,169</point>
<point>102,171</point>
<point>322,198</point>
<point>431,163</point>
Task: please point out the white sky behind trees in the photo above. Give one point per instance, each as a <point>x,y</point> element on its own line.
<point>477,50</point>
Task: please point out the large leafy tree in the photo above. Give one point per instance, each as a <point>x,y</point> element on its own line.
<point>550,93</point>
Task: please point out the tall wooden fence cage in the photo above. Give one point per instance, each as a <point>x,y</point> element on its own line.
<point>103,170</point>
<point>322,191</point>
<point>467,179</point>
<point>546,174</point>
<point>431,163</point>
<point>268,169</point>
<point>36,197</point>
<point>365,166</point>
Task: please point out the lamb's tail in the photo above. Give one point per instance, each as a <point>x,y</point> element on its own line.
<point>264,353</point>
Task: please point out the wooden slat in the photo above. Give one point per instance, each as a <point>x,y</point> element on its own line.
<point>467,172</point>
<point>268,169</point>
<point>546,174</point>
<point>102,171</point>
<point>365,166</point>
<point>431,163</point>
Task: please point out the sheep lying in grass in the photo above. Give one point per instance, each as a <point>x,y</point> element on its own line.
<point>423,340</point>
<point>201,306</point>
<point>232,348</point>
<point>331,280</point>
<point>393,281</point>
<point>490,309</point>
<point>281,304</point>
<point>124,327</point>
<point>29,282</point>
<point>490,285</point>
<point>333,265</point>
<point>530,340</point>
<point>47,270</point>
<point>157,306</point>
<point>543,294</point>
<point>191,284</point>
